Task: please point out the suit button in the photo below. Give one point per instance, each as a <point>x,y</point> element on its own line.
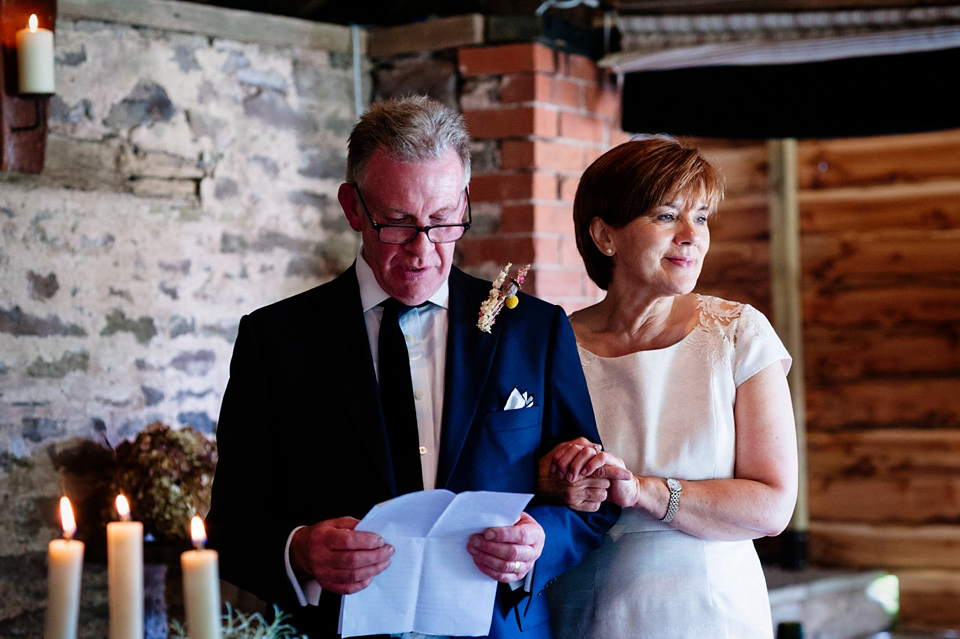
<point>423,450</point>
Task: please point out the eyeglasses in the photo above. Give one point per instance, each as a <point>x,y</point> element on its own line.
<point>406,233</point>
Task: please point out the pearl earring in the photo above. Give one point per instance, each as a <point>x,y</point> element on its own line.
<point>609,251</point>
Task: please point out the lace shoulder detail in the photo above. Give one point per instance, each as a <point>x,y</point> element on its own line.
<point>716,333</point>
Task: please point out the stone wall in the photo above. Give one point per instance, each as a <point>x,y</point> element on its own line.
<point>189,179</point>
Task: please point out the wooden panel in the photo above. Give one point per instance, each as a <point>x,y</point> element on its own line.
<point>895,255</point>
<point>894,304</point>
<point>912,403</point>
<point>743,167</point>
<point>927,205</point>
<point>929,599</point>
<point>879,160</point>
<point>885,546</point>
<point>741,217</point>
<point>838,354</point>
<point>734,261</point>
<point>885,476</point>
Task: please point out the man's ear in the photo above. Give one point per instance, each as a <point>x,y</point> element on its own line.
<point>350,205</point>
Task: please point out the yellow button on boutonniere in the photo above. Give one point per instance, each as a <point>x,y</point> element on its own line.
<point>503,293</point>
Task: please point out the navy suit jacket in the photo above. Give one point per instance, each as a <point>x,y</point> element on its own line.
<point>301,436</point>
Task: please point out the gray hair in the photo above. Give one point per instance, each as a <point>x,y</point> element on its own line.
<point>407,129</point>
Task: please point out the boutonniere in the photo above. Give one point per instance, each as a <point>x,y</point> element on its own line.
<point>503,293</point>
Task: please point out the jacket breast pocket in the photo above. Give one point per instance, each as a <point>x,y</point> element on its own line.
<point>515,419</point>
<point>511,439</point>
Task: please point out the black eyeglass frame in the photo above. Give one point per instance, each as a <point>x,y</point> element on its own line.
<point>419,229</point>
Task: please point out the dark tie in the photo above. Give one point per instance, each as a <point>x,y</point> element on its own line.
<point>396,398</point>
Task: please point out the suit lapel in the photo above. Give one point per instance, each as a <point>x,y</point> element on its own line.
<point>469,358</point>
<point>356,380</point>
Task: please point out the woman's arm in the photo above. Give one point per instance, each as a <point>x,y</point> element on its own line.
<point>757,502</point>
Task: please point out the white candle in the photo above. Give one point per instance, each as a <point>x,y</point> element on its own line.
<point>35,58</point>
<point>201,586</point>
<point>63,579</point>
<point>125,574</point>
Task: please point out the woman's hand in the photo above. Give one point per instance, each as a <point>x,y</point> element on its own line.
<point>579,474</point>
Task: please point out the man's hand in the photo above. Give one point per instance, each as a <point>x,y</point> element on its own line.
<point>507,553</point>
<point>341,559</point>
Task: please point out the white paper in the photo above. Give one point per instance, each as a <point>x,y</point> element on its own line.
<point>432,585</point>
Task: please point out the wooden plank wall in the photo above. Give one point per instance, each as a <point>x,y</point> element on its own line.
<point>880,222</point>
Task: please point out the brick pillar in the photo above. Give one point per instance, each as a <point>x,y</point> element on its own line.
<point>538,117</point>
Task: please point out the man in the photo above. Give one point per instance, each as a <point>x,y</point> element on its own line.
<point>308,435</point>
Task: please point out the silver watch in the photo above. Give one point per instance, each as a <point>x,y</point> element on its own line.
<point>675,488</point>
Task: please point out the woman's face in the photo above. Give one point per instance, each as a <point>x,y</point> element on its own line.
<point>663,249</point>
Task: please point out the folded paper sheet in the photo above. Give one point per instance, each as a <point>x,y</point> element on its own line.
<point>432,585</point>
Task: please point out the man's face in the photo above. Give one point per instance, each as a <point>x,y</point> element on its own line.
<point>421,194</point>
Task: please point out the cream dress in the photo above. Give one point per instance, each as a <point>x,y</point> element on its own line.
<point>669,413</point>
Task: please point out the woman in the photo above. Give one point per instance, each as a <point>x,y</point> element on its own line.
<point>692,404</point>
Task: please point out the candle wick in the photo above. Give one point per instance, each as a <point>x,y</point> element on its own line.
<point>199,545</point>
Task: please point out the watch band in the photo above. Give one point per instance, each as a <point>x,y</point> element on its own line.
<point>675,488</point>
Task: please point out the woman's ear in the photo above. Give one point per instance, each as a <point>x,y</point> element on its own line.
<point>602,237</point>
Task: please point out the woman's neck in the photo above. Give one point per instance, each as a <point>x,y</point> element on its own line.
<point>622,324</point>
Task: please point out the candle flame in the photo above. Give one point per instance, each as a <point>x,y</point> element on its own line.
<point>66,518</point>
<point>197,532</point>
<point>33,22</point>
<point>123,508</point>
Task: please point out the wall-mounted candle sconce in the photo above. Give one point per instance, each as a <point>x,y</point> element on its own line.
<point>26,82</point>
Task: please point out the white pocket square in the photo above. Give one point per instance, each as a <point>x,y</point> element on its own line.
<point>518,400</point>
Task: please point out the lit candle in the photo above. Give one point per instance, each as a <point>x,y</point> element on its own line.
<point>35,58</point>
<point>63,579</point>
<point>201,586</point>
<point>125,574</point>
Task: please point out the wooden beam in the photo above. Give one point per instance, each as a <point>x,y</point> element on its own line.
<point>785,292</point>
<point>217,22</point>
<point>433,35</point>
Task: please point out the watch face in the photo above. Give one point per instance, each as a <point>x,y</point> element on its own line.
<point>674,485</point>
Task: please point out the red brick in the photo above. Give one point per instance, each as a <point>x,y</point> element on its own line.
<point>499,187</point>
<point>581,127</point>
<point>558,157</point>
<point>517,154</point>
<point>499,248</point>
<point>538,218</point>
<point>567,252</point>
<point>558,283</point>
<point>525,87</point>
<point>568,188</point>
<point>546,248</point>
<point>515,218</point>
<point>511,122</point>
<point>566,93</point>
<point>582,67</point>
<point>553,218</point>
<point>496,187</point>
<point>508,58</point>
<point>602,101</point>
<point>500,123</point>
<point>541,154</point>
<point>618,136</point>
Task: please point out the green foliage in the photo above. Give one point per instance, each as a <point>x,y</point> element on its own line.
<point>166,474</point>
<point>237,625</point>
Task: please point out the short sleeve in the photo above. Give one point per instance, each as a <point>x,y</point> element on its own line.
<point>756,346</point>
